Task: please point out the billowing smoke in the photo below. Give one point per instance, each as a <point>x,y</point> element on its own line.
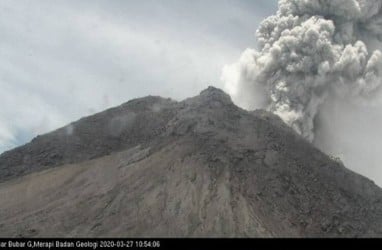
<point>311,51</point>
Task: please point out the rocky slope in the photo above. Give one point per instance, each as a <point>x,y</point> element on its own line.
<point>200,167</point>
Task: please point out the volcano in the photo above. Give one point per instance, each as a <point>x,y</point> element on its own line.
<point>201,167</point>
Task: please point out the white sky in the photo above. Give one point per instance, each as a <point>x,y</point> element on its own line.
<point>61,60</point>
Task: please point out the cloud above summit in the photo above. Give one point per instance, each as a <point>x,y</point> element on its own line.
<point>318,65</point>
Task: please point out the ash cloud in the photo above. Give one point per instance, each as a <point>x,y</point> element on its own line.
<point>308,53</point>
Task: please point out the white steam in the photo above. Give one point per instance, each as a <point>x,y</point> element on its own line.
<point>311,51</point>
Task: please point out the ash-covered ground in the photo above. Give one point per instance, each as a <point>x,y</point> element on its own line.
<point>202,167</point>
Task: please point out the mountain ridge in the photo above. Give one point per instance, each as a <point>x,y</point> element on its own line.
<point>202,167</point>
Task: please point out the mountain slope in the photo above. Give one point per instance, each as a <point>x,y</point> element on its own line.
<point>200,167</point>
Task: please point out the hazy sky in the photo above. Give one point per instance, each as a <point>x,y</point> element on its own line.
<point>61,60</point>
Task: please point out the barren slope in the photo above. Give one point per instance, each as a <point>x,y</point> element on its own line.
<point>201,167</point>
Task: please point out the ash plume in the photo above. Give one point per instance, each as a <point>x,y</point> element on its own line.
<point>308,52</point>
